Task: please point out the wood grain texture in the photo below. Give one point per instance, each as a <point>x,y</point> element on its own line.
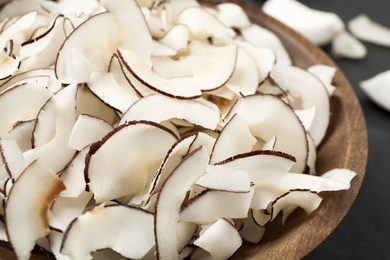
<point>345,146</point>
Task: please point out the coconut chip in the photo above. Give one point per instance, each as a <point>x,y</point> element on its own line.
<point>367,30</point>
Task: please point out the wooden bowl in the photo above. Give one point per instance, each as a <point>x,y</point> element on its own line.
<point>345,146</point>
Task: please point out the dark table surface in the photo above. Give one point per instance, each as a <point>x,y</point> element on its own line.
<point>365,231</point>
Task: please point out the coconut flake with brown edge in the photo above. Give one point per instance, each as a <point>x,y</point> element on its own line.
<point>26,212</point>
<point>126,230</point>
<point>130,153</point>
<point>171,197</point>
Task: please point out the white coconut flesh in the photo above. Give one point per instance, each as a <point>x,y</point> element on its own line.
<point>377,89</point>
<point>368,30</point>
<point>146,129</point>
<point>321,28</point>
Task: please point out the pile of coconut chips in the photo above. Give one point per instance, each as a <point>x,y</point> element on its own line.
<point>152,129</point>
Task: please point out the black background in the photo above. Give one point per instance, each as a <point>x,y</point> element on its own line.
<point>365,231</point>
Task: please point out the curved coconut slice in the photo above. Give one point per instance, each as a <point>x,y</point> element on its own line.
<point>34,75</point>
<point>136,84</point>
<point>173,157</point>
<point>245,78</point>
<point>38,80</point>
<point>221,239</point>
<point>367,30</point>
<point>87,130</point>
<point>264,195</point>
<point>203,25</point>
<point>45,124</point>
<point>225,179</point>
<point>235,138</point>
<point>259,36</point>
<point>264,38</point>
<point>42,50</point>
<point>181,148</point>
<point>55,239</point>
<point>211,205</point>
<point>105,87</point>
<point>321,28</point>
<point>79,68</point>
<point>156,18</point>
<point>66,209</point>
<point>345,45</point>
<point>211,74</point>
<point>13,103</point>
<point>24,210</point>
<point>8,65</point>
<point>129,18</point>
<point>89,104</point>
<point>265,58</point>
<point>268,116</point>
<point>203,139</point>
<point>21,133</point>
<point>177,38</point>
<point>133,237</point>
<point>185,232</point>
<point>232,15</point>
<point>336,179</point>
<point>377,89</point>
<point>20,25</point>
<point>170,199</point>
<point>73,175</point>
<point>107,31</point>
<point>56,153</point>
<point>204,59</point>
<point>325,74</point>
<point>176,7</point>
<point>158,108</point>
<point>311,91</point>
<point>263,167</point>
<point>116,69</point>
<point>120,153</point>
<point>306,199</point>
<point>340,175</point>
<point>12,158</point>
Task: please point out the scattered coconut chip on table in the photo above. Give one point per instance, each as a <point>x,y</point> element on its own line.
<point>318,26</point>
<point>377,89</point>
<point>367,30</point>
<point>345,45</point>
